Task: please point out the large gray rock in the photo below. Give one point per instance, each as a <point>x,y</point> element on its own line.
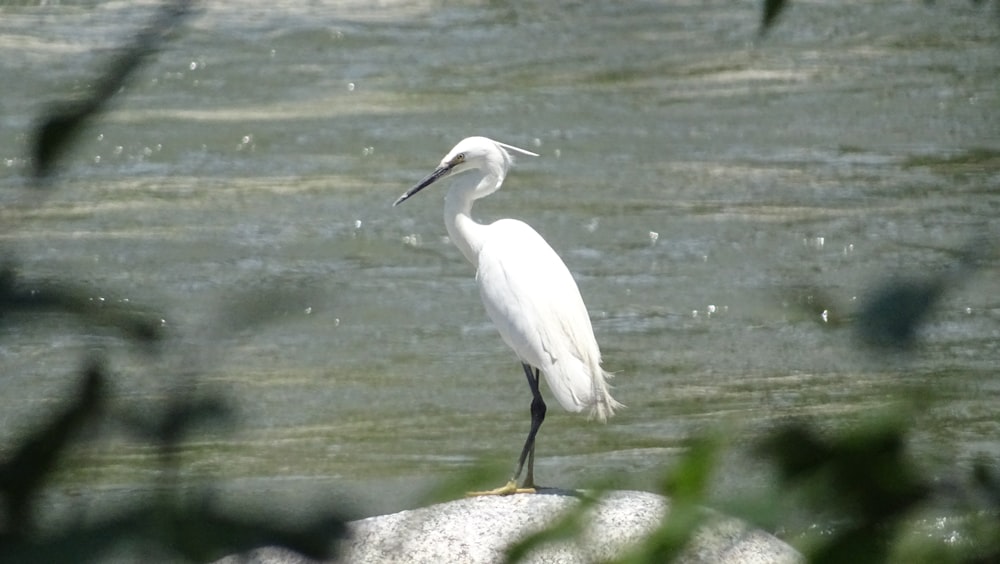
<point>480,530</point>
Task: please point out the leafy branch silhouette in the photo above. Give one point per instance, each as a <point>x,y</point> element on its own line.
<point>185,526</point>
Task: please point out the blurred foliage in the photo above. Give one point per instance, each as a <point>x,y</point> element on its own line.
<point>891,313</point>
<point>173,523</point>
<point>859,486</point>
<point>861,481</point>
<point>771,10</point>
<point>869,491</point>
<point>192,532</point>
<point>28,301</point>
<point>62,124</point>
<point>686,484</point>
<point>25,470</point>
<point>568,526</point>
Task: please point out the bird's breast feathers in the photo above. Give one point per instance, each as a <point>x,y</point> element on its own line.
<point>531,296</point>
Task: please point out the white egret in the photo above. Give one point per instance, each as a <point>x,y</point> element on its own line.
<point>528,292</point>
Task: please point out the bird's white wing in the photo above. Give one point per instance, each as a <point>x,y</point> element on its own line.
<point>536,305</point>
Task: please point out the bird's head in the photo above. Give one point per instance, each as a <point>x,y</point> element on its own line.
<point>471,153</point>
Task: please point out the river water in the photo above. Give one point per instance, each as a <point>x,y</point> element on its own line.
<point>702,185</point>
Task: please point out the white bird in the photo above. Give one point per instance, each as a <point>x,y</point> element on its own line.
<point>528,292</point>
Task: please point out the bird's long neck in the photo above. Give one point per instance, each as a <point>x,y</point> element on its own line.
<point>468,235</point>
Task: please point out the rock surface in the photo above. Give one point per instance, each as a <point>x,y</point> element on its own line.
<point>480,530</point>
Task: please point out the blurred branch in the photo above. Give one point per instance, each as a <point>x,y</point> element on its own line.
<point>34,458</point>
<point>167,428</point>
<point>44,296</point>
<point>163,525</point>
<point>201,534</point>
<point>568,526</point>
<point>193,533</point>
<point>63,123</point>
<point>770,11</point>
<point>179,417</point>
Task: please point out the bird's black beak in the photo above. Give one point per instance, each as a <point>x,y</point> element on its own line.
<point>431,179</point>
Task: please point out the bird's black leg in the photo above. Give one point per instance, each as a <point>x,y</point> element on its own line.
<point>537,416</point>
<point>528,452</point>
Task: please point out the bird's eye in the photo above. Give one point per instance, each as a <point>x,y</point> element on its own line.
<point>459,158</point>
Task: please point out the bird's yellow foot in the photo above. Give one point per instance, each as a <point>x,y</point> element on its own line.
<point>509,488</point>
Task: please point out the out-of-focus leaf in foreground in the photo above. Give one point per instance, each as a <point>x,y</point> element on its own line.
<point>33,297</point>
<point>194,533</point>
<point>35,457</point>
<point>770,10</point>
<point>63,122</point>
<point>892,313</point>
<point>862,478</point>
<point>686,484</point>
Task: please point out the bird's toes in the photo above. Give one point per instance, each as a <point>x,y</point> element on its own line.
<point>509,488</point>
